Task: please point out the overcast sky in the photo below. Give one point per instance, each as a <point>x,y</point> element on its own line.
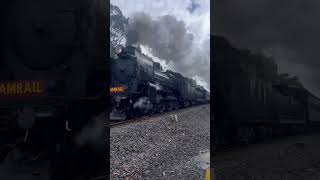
<point>287,29</point>
<point>196,16</point>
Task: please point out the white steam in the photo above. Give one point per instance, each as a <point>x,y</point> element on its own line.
<point>143,103</point>
<point>94,133</point>
<point>157,86</point>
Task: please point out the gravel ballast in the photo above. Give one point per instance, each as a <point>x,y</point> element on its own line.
<point>156,149</point>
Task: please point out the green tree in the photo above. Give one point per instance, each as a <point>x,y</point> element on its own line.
<point>118,26</point>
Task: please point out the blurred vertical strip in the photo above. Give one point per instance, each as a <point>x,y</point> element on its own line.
<point>107,43</point>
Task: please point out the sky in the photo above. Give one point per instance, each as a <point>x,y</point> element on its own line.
<point>288,30</point>
<point>195,15</point>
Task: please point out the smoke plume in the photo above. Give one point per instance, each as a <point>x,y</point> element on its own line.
<point>93,134</point>
<point>157,86</point>
<point>287,30</point>
<point>143,103</point>
<point>168,39</point>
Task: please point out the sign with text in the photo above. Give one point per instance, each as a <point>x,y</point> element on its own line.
<point>21,88</point>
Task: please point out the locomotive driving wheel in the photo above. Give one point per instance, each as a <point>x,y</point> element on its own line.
<point>162,108</point>
<point>171,106</point>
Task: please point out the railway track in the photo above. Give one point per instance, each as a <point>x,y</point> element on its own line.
<point>142,118</point>
<point>114,123</point>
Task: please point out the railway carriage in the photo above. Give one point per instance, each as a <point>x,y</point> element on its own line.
<point>253,100</point>
<point>313,109</point>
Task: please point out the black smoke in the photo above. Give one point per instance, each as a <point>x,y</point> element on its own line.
<point>286,29</point>
<point>168,39</point>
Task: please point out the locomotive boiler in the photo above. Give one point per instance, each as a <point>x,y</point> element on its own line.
<point>53,73</point>
<point>139,86</point>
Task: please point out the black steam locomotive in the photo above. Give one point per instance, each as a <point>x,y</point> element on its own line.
<point>140,86</point>
<point>53,76</point>
<point>253,101</point>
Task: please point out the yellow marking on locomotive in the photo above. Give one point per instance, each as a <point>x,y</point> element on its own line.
<point>116,89</point>
<point>21,88</point>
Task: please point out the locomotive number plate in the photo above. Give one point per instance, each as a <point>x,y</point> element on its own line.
<point>116,89</point>
<point>12,88</point>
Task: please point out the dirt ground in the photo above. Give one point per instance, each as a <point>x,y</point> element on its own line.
<point>290,158</point>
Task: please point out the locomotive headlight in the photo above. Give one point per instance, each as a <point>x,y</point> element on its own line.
<point>119,49</point>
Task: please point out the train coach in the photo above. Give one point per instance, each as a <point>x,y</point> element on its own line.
<point>313,107</point>
<point>139,86</point>
<point>253,101</point>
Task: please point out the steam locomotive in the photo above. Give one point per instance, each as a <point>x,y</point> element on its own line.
<point>253,101</point>
<point>139,86</point>
<point>53,75</point>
